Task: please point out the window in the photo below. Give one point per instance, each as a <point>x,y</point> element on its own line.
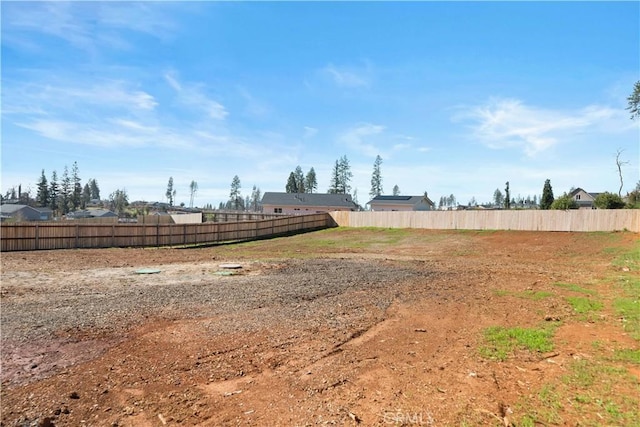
<point>577,197</point>
<point>277,210</point>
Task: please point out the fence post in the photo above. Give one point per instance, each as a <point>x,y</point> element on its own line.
<point>77,234</point>
<point>37,236</point>
<point>113,235</point>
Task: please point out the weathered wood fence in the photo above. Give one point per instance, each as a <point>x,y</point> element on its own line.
<point>529,220</point>
<point>29,236</point>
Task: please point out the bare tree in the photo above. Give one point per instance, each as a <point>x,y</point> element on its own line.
<point>619,164</point>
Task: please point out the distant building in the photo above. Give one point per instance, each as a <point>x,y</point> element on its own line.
<point>401,203</point>
<point>91,213</point>
<point>17,212</point>
<point>306,203</point>
<point>583,199</point>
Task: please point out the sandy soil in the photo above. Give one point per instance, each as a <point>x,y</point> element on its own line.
<point>383,333</point>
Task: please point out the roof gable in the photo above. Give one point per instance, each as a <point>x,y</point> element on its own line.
<point>400,200</point>
<point>307,199</point>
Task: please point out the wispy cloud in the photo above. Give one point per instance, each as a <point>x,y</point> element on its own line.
<point>194,96</point>
<point>503,123</point>
<point>349,77</point>
<point>309,132</point>
<point>88,26</point>
<point>360,138</point>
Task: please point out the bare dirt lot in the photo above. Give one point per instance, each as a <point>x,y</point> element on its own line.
<point>337,327</point>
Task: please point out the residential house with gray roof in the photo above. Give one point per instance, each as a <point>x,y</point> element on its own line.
<point>306,203</point>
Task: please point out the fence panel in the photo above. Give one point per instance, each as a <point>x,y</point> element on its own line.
<point>70,235</point>
<point>587,220</point>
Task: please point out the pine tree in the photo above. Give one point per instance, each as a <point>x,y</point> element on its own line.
<point>54,191</point>
<point>334,185</point>
<point>256,195</point>
<point>376,178</point>
<point>299,177</point>
<point>76,189</point>
<point>396,190</point>
<point>95,190</point>
<point>171,192</point>
<point>547,196</point>
<point>292,185</point>
<point>65,191</point>
<point>42,196</point>
<point>310,182</point>
<point>235,198</point>
<point>507,197</point>
<point>86,195</point>
<point>345,176</point>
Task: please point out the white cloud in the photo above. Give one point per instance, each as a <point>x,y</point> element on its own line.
<point>350,77</point>
<point>309,132</point>
<point>503,123</point>
<point>88,26</point>
<point>192,95</point>
<point>359,138</point>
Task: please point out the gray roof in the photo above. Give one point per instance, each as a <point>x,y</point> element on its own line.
<point>308,199</point>
<point>11,208</point>
<point>399,200</point>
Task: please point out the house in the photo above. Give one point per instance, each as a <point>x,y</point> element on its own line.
<point>306,203</point>
<point>583,199</point>
<point>19,212</point>
<point>401,203</point>
<point>92,213</point>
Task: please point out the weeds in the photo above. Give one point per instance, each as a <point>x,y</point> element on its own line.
<point>503,341</point>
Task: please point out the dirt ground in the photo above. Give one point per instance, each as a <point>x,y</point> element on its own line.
<point>338,327</point>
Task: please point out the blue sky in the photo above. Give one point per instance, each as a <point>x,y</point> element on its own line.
<point>456,97</point>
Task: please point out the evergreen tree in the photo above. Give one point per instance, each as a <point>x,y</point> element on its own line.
<point>256,197</point>
<point>376,178</point>
<point>86,195</point>
<point>547,196</point>
<point>634,101</point>
<point>345,175</point>
<point>310,182</point>
<point>235,198</point>
<point>95,190</point>
<point>65,191</point>
<point>76,189</point>
<point>396,190</point>
<point>193,189</point>
<point>334,186</point>
<point>498,198</point>
<point>299,177</point>
<point>42,197</point>
<point>54,191</point>
<point>292,185</point>
<point>171,192</point>
<point>507,197</point>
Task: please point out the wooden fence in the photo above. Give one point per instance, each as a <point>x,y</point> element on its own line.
<point>29,236</point>
<point>531,220</point>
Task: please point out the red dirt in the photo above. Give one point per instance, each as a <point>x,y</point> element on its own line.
<point>413,362</point>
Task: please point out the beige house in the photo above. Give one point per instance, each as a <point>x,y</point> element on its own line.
<point>306,203</point>
<point>401,203</point>
<point>583,199</point>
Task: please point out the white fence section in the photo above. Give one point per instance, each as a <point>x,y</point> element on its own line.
<point>526,220</point>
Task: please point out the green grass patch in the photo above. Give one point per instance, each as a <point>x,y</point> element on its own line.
<point>629,310</point>
<point>627,355</point>
<point>582,305</point>
<point>591,393</point>
<point>528,294</point>
<point>574,288</point>
<point>629,259</point>
<point>501,341</point>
